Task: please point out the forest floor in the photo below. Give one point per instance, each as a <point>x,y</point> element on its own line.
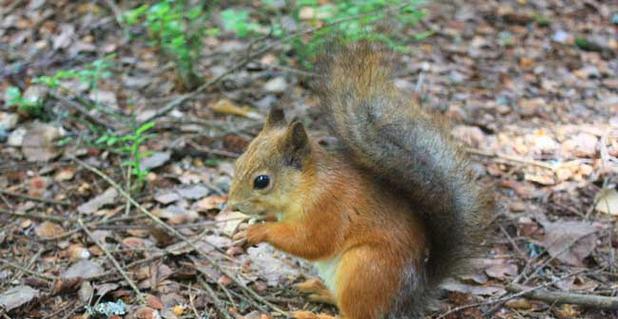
<point>530,88</point>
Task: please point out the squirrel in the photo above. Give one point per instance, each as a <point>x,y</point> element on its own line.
<point>387,216</point>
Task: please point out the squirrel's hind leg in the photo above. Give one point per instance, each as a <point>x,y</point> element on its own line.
<point>317,291</point>
<point>301,314</point>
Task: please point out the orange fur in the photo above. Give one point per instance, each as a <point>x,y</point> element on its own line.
<point>388,216</point>
<point>341,213</point>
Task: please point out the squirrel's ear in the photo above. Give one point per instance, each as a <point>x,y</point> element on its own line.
<point>275,118</point>
<point>297,146</point>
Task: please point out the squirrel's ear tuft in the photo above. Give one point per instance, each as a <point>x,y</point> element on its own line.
<point>276,118</point>
<point>297,146</point>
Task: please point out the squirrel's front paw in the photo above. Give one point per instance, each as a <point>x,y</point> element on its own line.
<point>257,233</point>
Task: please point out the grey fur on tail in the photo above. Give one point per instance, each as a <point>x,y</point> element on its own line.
<point>412,153</point>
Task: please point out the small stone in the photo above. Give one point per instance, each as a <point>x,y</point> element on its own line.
<point>561,36</point>
<point>8,121</point>
<point>276,85</point>
<point>306,13</point>
<point>16,138</point>
<point>517,206</point>
<point>471,135</point>
<point>530,107</point>
<point>581,145</point>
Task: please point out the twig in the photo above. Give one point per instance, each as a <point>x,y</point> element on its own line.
<point>197,315</point>
<point>33,198</point>
<point>36,256</point>
<point>10,8</point>
<point>116,11</point>
<point>215,299</point>
<point>178,235</point>
<point>34,215</point>
<point>80,109</point>
<point>183,98</point>
<point>140,296</point>
<point>505,298</point>
<point>558,297</point>
<point>509,158</point>
<point>28,271</point>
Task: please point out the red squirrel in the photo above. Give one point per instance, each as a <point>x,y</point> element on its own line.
<point>385,217</point>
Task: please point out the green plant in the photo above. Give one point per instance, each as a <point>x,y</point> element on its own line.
<point>30,105</point>
<point>360,20</point>
<point>349,20</point>
<point>177,30</point>
<point>239,22</point>
<point>129,146</point>
<point>90,74</point>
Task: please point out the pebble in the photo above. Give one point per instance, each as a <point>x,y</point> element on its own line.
<point>8,121</point>
<point>276,85</point>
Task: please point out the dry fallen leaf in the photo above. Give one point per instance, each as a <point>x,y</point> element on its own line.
<point>17,296</point>
<point>196,191</point>
<point>39,142</point>
<point>209,203</point>
<point>271,265</point>
<point>167,196</point>
<point>569,242</point>
<point>155,160</point>
<point>228,221</point>
<point>91,206</point>
<point>65,174</point>
<point>501,269</point>
<point>226,106</point>
<point>82,269</point>
<point>607,202</point>
<point>452,285</point>
<point>48,230</point>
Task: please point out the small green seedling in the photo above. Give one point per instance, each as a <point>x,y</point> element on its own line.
<point>177,30</point>
<point>129,146</point>
<point>31,106</point>
<point>89,74</point>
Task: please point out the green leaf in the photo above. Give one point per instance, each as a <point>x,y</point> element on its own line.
<point>131,17</point>
<point>145,127</point>
<point>12,96</point>
<point>236,20</point>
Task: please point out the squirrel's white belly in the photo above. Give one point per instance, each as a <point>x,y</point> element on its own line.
<point>327,270</point>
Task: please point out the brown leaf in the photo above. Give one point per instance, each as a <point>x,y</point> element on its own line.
<point>48,229</point>
<point>106,198</point>
<point>83,269</point>
<point>65,174</point>
<point>39,142</point>
<point>154,302</point>
<point>569,242</point>
<point>501,269</point>
<point>209,203</point>
<point>226,106</point>
<point>272,266</point>
<point>145,313</point>
<point>452,285</point>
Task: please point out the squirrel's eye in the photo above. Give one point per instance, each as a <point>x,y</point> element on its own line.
<point>261,182</point>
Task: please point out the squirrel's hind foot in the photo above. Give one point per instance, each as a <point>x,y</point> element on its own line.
<point>301,314</point>
<point>317,291</point>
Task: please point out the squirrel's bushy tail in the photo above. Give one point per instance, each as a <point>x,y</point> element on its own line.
<point>410,150</point>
